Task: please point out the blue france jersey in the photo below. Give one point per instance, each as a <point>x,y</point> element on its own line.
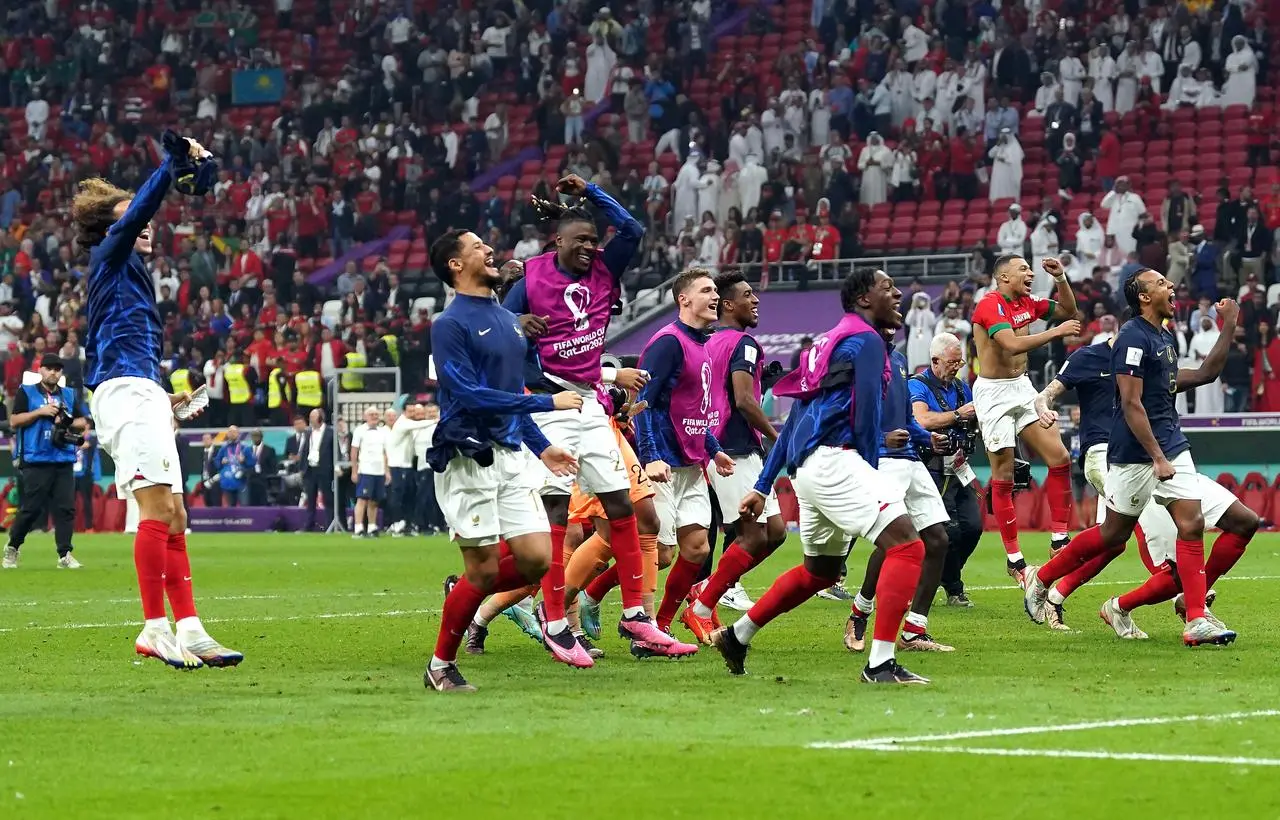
<point>1088,372</point>
<point>125,332</point>
<point>1149,353</point>
<point>897,415</point>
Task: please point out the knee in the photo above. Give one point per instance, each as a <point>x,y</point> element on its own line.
<point>935,543</point>
<point>178,521</point>
<point>617,505</point>
<point>484,577</point>
<point>647,520</point>
<point>1191,528</point>
<point>825,567</point>
<point>695,551</point>
<point>1244,524</point>
<point>665,556</point>
<point>532,567</point>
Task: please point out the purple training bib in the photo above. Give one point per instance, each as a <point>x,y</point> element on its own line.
<point>806,380</point>
<point>720,348</point>
<point>694,409</point>
<point>577,312</point>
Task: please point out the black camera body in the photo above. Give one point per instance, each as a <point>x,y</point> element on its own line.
<point>770,375</point>
<point>63,435</point>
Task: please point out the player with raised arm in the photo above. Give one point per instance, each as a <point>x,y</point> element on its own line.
<point>131,410</point>
<point>569,293</point>
<point>484,479</point>
<point>831,445</point>
<point>900,464</point>
<point>737,365</point>
<point>1004,398</point>
<point>1148,456</point>
<point>1088,372</point>
<point>674,434</point>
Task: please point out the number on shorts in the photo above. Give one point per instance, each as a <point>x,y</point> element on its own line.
<point>617,462</point>
<point>638,476</point>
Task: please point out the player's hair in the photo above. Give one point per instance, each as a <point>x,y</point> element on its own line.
<point>549,211</point>
<point>856,285</point>
<point>725,283</point>
<point>686,279</point>
<point>1132,290</point>
<point>1005,259</point>
<point>93,210</point>
<point>942,343</point>
<point>447,247</point>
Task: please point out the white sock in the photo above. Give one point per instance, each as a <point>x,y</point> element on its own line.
<point>1056,597</point>
<point>190,626</point>
<point>700,609</point>
<point>881,651</point>
<point>921,621</point>
<point>865,605</point>
<point>479,620</point>
<point>437,664</point>
<point>627,612</point>
<point>357,529</point>
<point>158,623</point>
<point>745,629</point>
<point>1014,557</point>
<point>557,626</point>
<point>1057,536</point>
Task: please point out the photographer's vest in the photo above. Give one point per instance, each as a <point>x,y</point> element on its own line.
<point>353,381</point>
<point>35,441</point>
<point>180,379</point>
<point>393,348</point>
<point>307,384</point>
<point>275,395</point>
<point>933,461</point>
<point>237,384</point>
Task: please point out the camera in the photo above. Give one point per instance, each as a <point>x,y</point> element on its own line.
<point>63,435</point>
<point>770,375</point>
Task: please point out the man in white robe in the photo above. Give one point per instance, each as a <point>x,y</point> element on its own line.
<point>1006,169</point>
<point>1124,207</point>
<point>1209,397</point>
<point>1012,234</point>
<point>685,205</point>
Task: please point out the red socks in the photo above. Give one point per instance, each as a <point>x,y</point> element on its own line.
<point>1190,561</point>
<point>680,579</point>
<point>1144,552</point>
<point>1057,490</point>
<point>150,546</point>
<point>628,569</point>
<point>898,578</point>
<point>1084,547</point>
<point>734,564</point>
<point>1227,550</point>
<point>790,590</point>
<point>1160,587</point>
<point>603,583</point>
<point>510,577</point>
<point>1086,572</point>
<point>459,608</point>
<point>1006,517</point>
<point>553,581</point>
<point>177,577</point>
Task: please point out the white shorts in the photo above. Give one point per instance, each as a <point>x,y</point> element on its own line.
<point>1003,407</point>
<point>730,490</point>
<point>919,493</point>
<point>134,422</point>
<point>842,498</point>
<point>684,501</point>
<point>588,435</point>
<point>483,504</point>
<point>1157,525</point>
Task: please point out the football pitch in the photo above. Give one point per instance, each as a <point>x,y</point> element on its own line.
<point>328,717</point>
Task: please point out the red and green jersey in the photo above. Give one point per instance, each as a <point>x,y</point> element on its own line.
<point>996,312</point>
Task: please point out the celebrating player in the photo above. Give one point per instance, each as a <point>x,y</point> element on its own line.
<point>1005,400</point>
<point>674,433</point>
<point>1088,372</point>
<point>570,293</point>
<point>737,363</point>
<point>484,483</point>
<point>901,465</point>
<point>831,445</point>
<point>1148,456</point>
<point>132,413</point>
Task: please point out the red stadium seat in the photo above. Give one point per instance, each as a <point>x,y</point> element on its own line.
<point>1028,504</point>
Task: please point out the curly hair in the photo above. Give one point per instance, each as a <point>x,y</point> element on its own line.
<point>93,210</point>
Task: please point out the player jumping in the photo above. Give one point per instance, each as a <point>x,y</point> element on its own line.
<point>133,413</point>
<point>484,479</point>
<point>1005,399</point>
<point>1149,457</point>
<point>831,444</point>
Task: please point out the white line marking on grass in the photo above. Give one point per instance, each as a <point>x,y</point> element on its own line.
<point>1011,586</point>
<point>882,743</point>
<point>265,597</point>
<point>1075,753</point>
<point>393,613</point>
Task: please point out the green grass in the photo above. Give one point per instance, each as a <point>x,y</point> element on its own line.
<point>328,717</point>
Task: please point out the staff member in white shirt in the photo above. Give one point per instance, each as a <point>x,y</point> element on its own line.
<point>369,472</point>
<point>430,518</point>
<point>400,453</point>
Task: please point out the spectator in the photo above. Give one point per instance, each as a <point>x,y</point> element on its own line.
<point>875,161</point>
<point>1006,171</point>
<point>1012,235</point>
<point>1241,69</point>
<point>1125,207</point>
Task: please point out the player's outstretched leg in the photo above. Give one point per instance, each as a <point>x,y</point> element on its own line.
<point>150,546</point>
<point>177,583</point>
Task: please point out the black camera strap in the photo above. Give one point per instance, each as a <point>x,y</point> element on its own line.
<point>935,387</point>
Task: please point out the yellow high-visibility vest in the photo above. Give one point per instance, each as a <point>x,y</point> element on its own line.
<point>181,380</point>
<point>353,381</point>
<point>310,393</point>
<point>237,384</point>
<point>275,396</point>
<point>393,348</point>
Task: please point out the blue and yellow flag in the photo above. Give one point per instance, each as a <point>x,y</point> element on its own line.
<point>257,86</point>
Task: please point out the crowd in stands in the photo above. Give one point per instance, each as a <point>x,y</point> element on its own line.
<point>799,137</point>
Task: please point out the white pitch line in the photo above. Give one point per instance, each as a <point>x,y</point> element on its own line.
<point>880,742</point>
<point>1075,753</point>
<point>1011,586</point>
<point>268,597</point>
<point>393,613</point>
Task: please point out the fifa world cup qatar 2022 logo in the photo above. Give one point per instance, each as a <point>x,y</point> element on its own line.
<point>706,388</point>
<point>577,297</point>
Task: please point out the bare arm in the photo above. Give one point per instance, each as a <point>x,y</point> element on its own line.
<point>933,420</point>
<point>1135,415</point>
<point>744,398</point>
<point>1067,308</point>
<point>1047,398</point>
<point>1010,342</point>
<point>1190,378</point>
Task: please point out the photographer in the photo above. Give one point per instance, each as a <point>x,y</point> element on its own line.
<point>942,403</point>
<point>48,427</point>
